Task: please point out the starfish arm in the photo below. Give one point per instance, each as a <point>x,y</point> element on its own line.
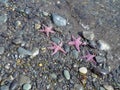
<point>60,44</point>
<point>55,51</point>
<point>62,50</point>
<point>77,47</point>
<point>42,30</point>
<point>73,37</point>
<point>52,31</point>
<point>71,43</point>
<point>47,33</point>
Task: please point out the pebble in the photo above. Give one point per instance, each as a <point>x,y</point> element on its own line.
<point>23,51</point>
<point>102,45</point>
<point>56,40</point>
<point>75,54</point>
<point>108,87</point>
<point>53,75</point>
<point>37,26</point>
<point>18,23</point>
<point>66,47</point>
<point>78,87</point>
<point>17,41</point>
<point>27,86</point>
<point>7,66</point>
<point>24,79</point>
<point>92,44</point>
<point>3,18</point>
<point>101,88</point>
<point>3,1</point>
<point>35,52</point>
<point>83,70</point>
<point>45,13</point>
<point>100,59</point>
<point>58,20</point>
<point>27,10</point>
<point>2,49</point>
<point>4,87</point>
<point>13,85</point>
<point>67,74</point>
<point>88,35</point>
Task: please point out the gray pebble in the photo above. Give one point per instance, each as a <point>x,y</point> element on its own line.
<point>66,47</point>
<point>58,20</point>
<point>88,35</point>
<point>56,40</point>
<point>102,45</point>
<point>23,51</point>
<point>67,74</point>
<point>27,86</point>
<point>92,44</point>
<point>17,41</point>
<point>75,54</point>
<point>27,10</point>
<point>3,18</point>
<point>53,75</point>
<point>2,49</point>
<point>108,87</point>
<point>35,52</point>
<point>78,87</point>
<point>100,59</point>
<point>13,85</point>
<point>101,88</point>
<point>3,1</point>
<point>4,87</point>
<point>24,79</point>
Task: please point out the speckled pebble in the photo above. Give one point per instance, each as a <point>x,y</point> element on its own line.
<point>53,75</point>
<point>67,74</point>
<point>3,18</point>
<point>27,86</point>
<point>88,35</point>
<point>58,20</point>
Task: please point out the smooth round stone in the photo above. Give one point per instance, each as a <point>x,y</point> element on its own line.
<point>83,70</point>
<point>67,74</point>
<point>100,59</point>
<point>3,18</point>
<point>17,41</point>
<point>28,11</point>
<point>2,49</point>
<point>108,87</point>
<point>78,87</point>
<point>102,45</point>
<point>58,20</point>
<point>4,87</point>
<point>35,52</point>
<point>23,51</point>
<point>3,1</point>
<point>53,75</point>
<point>27,86</point>
<point>88,35</point>
<point>101,88</point>
<point>75,54</point>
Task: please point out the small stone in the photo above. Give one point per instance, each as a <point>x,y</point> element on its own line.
<point>108,87</point>
<point>45,13</point>
<point>18,23</point>
<point>92,44</point>
<point>13,85</point>
<point>24,79</point>
<point>101,88</point>
<point>75,54</point>
<point>83,70</point>
<point>3,1</point>
<point>17,41</point>
<point>37,26</point>
<point>102,45</point>
<point>100,59</point>
<point>35,52</point>
<point>56,40</point>
<point>88,35</point>
<point>23,51</point>
<point>4,87</point>
<point>66,47</point>
<point>53,75</point>
<point>27,86</point>
<point>3,18</point>
<point>7,66</point>
<point>27,10</point>
<point>78,87</point>
<point>58,20</point>
<point>67,74</point>
<point>2,49</point>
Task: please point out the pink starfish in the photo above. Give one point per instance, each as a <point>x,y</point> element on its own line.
<point>76,42</point>
<point>89,57</point>
<point>47,30</point>
<point>56,48</point>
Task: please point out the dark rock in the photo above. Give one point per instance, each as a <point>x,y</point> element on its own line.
<point>13,85</point>
<point>100,59</point>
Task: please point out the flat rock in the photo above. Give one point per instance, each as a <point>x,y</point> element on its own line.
<point>2,49</point>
